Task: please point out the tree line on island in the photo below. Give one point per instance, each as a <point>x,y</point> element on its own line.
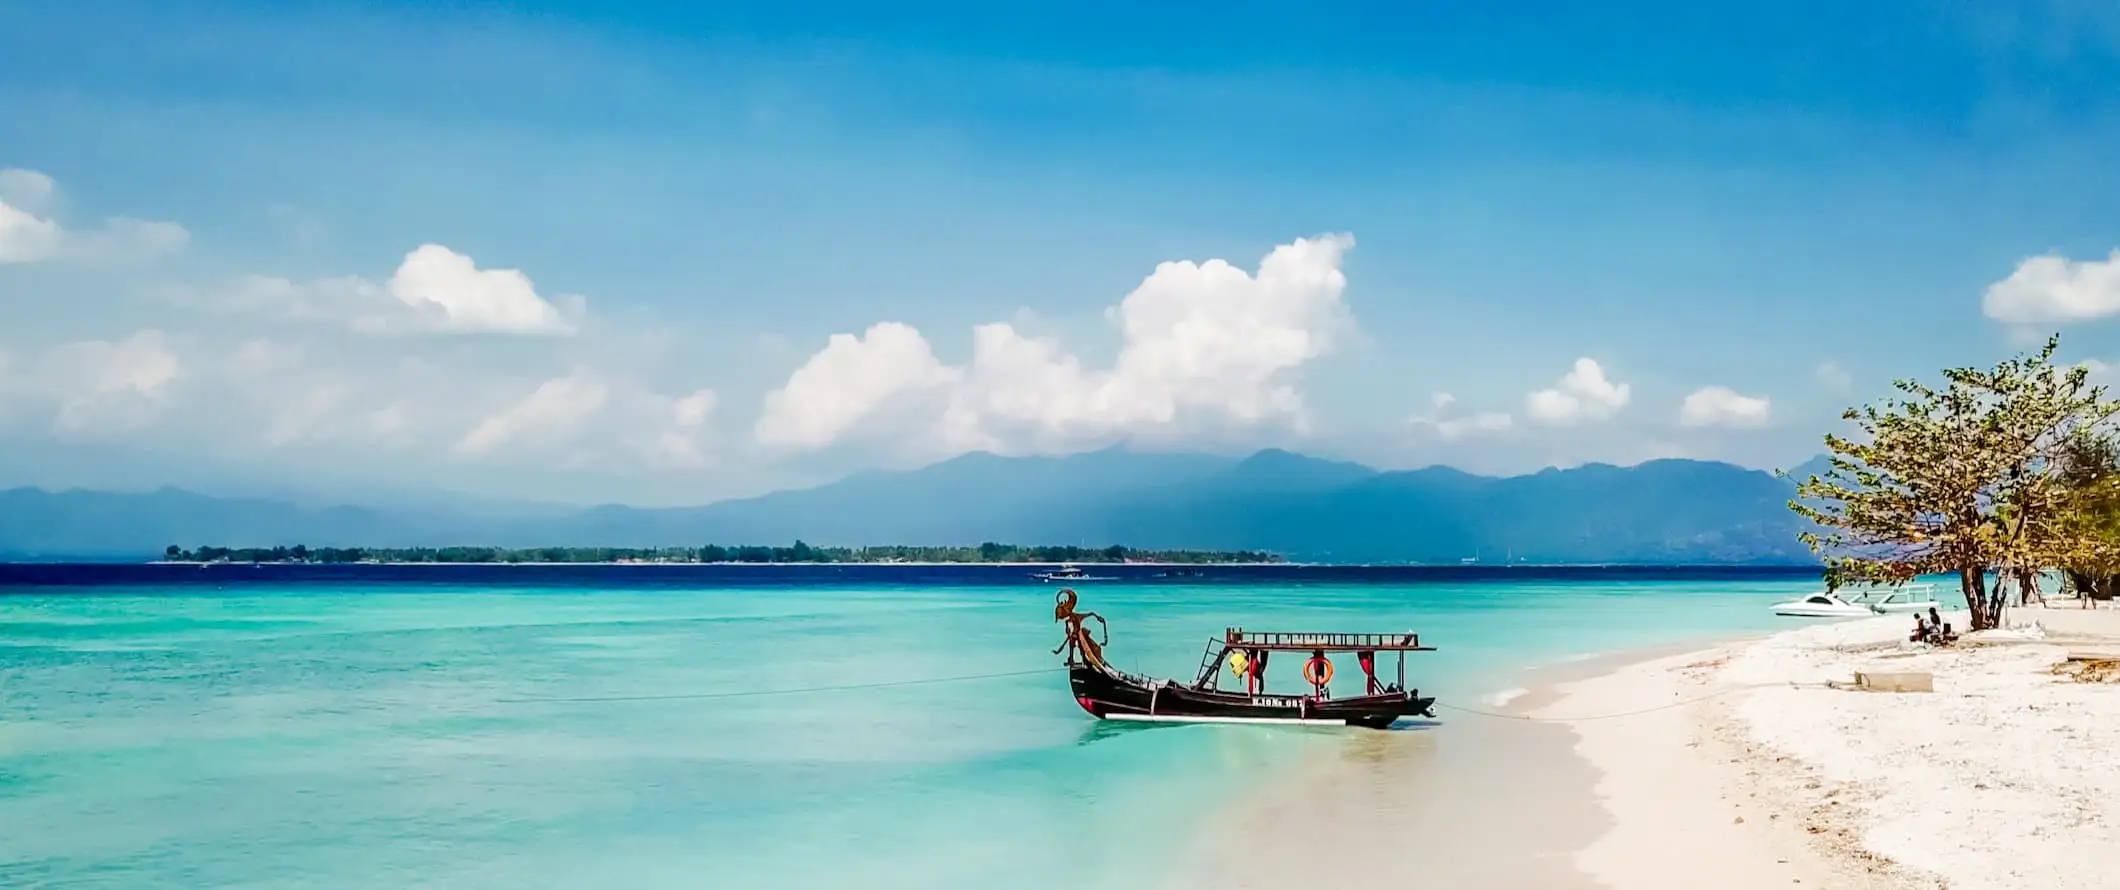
<point>800,552</point>
<point>1996,475</point>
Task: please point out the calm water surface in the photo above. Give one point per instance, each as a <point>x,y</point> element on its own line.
<point>332,732</point>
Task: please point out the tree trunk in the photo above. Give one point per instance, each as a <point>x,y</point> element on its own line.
<point>2102,588</point>
<point>1986,608</point>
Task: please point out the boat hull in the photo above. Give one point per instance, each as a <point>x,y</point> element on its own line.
<point>1802,611</point>
<point>1110,695</point>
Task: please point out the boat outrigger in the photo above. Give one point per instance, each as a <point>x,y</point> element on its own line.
<point>1111,694</point>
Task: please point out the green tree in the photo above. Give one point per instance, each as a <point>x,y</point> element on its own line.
<point>2090,475</point>
<point>1962,479</point>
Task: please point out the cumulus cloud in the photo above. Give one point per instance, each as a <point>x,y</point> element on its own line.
<point>1201,344</point>
<point>848,381</point>
<point>1474,424</point>
<point>2054,289</point>
<point>679,445</point>
<point>1462,426</point>
<point>434,289</point>
<point>27,237</point>
<point>110,386</point>
<point>557,407</point>
<point>1722,406</point>
<point>27,189</point>
<point>1584,394</point>
<point>455,294</point>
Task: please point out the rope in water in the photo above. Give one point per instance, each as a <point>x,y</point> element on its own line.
<point>747,693</point>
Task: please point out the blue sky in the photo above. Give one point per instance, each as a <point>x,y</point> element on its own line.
<point>217,277</point>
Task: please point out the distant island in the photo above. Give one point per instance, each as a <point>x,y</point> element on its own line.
<point>712,553</point>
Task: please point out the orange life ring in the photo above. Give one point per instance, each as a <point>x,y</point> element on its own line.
<point>1318,671</point>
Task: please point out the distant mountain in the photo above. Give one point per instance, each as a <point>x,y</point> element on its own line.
<point>1666,511</point>
<point>91,523</point>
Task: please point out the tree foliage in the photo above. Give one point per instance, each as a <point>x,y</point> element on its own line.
<point>1964,479</point>
<point>2089,473</point>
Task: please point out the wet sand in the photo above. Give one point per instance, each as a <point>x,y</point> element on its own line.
<point>1733,766</point>
<point>1502,797</point>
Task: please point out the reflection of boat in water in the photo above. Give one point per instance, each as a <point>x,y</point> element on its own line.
<point>1875,601</point>
<point>1110,694</point>
<point>1068,573</point>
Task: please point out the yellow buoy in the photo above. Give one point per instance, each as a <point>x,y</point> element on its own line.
<point>1237,662</point>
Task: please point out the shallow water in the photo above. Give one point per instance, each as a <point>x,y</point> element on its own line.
<point>337,734</point>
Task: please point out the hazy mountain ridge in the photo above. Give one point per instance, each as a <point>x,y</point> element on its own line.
<point>1665,511</point>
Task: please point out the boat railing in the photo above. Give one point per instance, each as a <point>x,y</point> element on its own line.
<point>1283,641</point>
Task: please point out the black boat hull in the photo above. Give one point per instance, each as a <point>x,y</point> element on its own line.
<point>1110,695</point>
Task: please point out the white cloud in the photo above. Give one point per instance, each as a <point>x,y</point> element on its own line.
<point>1465,426</point>
<point>27,189</point>
<point>1583,394</point>
<point>556,407</point>
<point>433,289</point>
<point>1202,344</point>
<point>847,382</point>
<point>1473,425</point>
<point>456,294</point>
<point>105,386</point>
<point>679,445</point>
<point>2051,288</point>
<point>1834,377</point>
<point>1722,406</point>
<point>26,237</point>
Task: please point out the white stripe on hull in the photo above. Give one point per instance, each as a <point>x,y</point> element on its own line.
<point>1181,718</point>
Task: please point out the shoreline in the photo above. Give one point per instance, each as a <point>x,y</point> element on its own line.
<point>642,563</point>
<point>1752,773</point>
<point>1724,762</point>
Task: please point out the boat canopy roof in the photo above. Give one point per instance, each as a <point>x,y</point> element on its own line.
<point>1237,637</point>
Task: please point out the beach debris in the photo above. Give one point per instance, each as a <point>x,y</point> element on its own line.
<point>1890,681</point>
<point>2090,667</point>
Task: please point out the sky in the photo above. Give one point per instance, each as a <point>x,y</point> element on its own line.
<point>666,253</point>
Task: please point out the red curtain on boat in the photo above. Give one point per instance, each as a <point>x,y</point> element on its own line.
<point>1257,681</point>
<point>1369,669</point>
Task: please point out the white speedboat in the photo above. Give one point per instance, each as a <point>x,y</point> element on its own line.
<point>1906,598</point>
<point>1068,573</point>
<point>1822,605</point>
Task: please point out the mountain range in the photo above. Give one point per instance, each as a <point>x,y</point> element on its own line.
<point>1659,512</point>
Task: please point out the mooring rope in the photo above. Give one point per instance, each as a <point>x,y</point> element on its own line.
<point>800,690</point>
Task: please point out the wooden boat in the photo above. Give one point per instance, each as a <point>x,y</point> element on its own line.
<point>1111,694</point>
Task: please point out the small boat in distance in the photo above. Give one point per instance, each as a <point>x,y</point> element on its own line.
<point>1068,572</point>
<point>1108,693</point>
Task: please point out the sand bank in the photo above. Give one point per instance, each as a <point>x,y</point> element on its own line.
<point>1736,767</point>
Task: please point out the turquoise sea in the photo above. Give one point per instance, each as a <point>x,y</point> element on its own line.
<point>596,731</point>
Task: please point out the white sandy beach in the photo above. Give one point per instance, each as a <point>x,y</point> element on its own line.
<point>1736,767</point>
